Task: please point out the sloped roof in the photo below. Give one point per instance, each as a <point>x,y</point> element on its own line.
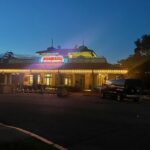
<point>66,66</point>
<point>31,66</point>
<point>89,66</point>
<point>63,52</point>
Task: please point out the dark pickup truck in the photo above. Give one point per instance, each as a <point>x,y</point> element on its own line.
<point>122,88</point>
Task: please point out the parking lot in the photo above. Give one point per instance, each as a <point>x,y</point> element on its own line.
<point>80,122</point>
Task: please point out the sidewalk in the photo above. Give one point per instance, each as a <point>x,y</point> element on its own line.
<point>12,139</point>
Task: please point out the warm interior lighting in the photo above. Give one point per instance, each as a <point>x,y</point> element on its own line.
<point>67,81</point>
<point>26,71</point>
<point>39,79</point>
<point>95,71</point>
<point>111,71</point>
<point>62,71</point>
<point>14,71</point>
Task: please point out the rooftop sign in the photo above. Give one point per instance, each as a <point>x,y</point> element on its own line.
<point>52,59</point>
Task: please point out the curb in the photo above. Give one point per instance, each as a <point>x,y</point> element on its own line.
<point>44,140</point>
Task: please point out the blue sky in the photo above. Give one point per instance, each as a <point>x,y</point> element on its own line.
<point>109,27</point>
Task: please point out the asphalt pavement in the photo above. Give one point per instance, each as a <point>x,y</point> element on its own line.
<point>14,138</point>
<point>80,122</point>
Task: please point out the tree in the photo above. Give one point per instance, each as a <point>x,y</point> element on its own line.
<point>132,61</point>
<point>143,45</point>
<point>140,55</point>
<point>138,63</point>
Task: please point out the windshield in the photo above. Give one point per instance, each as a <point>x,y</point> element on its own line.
<point>116,82</point>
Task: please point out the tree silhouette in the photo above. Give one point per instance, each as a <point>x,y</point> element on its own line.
<point>138,63</point>
<point>143,45</point>
<point>140,55</point>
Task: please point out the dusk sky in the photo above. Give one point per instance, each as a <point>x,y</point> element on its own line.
<point>109,27</point>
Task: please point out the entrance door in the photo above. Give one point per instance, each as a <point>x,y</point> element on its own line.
<point>79,81</point>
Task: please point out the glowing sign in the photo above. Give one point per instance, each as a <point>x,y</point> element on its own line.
<point>50,59</point>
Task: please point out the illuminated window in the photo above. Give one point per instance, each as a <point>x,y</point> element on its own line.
<point>48,80</point>
<point>67,81</point>
<point>101,79</point>
<point>38,79</point>
<point>30,79</point>
<point>48,75</point>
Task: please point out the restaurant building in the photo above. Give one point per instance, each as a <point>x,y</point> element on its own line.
<point>78,68</point>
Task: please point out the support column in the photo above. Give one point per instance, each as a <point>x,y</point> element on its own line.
<point>42,78</point>
<point>73,79</point>
<point>60,78</point>
<point>93,81</point>
<point>7,87</point>
<point>35,79</point>
<point>88,81</point>
<point>9,79</point>
<point>5,79</point>
<point>53,80</point>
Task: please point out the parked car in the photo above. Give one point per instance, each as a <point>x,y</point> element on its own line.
<point>122,88</point>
